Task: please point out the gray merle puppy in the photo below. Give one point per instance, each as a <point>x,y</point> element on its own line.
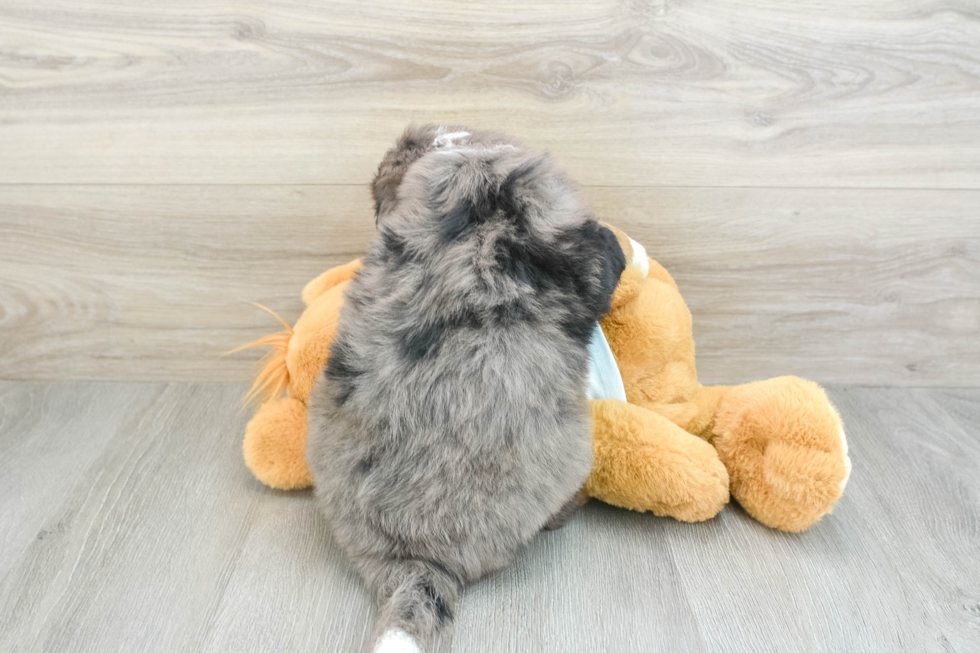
<point>451,425</point>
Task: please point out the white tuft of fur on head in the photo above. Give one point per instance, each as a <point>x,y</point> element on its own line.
<point>446,140</point>
<point>396,641</point>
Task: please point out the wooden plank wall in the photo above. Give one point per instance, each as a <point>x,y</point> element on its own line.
<point>809,172</point>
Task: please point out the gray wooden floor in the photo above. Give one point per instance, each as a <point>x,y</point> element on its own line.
<point>129,523</point>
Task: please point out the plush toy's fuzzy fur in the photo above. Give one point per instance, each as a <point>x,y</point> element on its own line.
<point>677,447</point>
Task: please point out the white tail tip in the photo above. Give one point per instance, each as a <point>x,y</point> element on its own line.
<point>396,641</point>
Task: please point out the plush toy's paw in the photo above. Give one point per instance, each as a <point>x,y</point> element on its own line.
<point>643,461</point>
<point>784,446</point>
<point>275,445</point>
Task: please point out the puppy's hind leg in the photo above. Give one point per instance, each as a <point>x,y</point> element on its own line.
<point>561,517</point>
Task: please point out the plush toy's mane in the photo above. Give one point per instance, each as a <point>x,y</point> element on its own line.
<point>272,378</point>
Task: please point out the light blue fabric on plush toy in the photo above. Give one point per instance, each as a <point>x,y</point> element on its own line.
<point>605,381</point>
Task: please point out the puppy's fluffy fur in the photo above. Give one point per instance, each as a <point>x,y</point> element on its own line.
<point>451,423</point>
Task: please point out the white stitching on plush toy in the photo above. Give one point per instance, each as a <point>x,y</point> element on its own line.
<point>847,460</point>
<point>640,259</point>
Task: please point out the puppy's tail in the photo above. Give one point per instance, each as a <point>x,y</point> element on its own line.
<point>416,599</point>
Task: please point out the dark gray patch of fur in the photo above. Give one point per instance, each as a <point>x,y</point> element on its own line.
<point>451,423</point>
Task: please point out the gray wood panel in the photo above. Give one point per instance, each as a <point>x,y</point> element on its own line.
<point>154,282</point>
<point>662,92</point>
<point>890,570</point>
<point>36,424</point>
<point>131,524</point>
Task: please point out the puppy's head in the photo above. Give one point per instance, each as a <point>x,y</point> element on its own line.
<point>417,141</point>
<point>413,144</point>
<point>468,200</point>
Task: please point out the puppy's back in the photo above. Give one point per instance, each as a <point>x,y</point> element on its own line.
<point>451,423</point>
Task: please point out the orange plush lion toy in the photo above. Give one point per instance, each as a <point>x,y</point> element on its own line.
<point>673,447</point>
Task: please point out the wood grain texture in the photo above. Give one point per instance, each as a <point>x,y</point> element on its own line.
<point>154,283</point>
<point>834,93</point>
<point>131,524</point>
<point>871,287</point>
